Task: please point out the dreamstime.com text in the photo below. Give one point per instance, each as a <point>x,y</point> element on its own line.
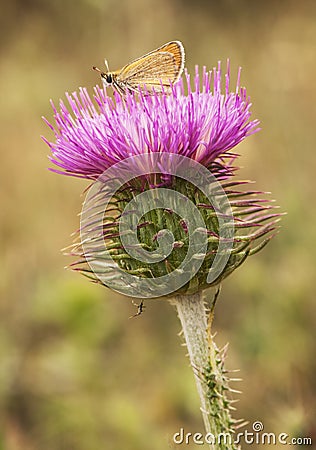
<point>256,436</point>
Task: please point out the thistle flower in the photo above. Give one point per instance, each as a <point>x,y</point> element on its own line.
<point>204,125</point>
<point>200,125</point>
<point>165,215</point>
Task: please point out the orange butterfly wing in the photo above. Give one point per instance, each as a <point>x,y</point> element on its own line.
<point>161,67</point>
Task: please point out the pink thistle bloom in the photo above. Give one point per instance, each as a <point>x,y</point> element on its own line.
<point>140,135</point>
<point>204,123</point>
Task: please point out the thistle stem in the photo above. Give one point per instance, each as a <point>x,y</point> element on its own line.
<point>208,367</point>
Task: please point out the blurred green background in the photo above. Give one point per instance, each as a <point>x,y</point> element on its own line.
<point>75,373</point>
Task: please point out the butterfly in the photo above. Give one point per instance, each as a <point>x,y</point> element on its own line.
<point>154,72</point>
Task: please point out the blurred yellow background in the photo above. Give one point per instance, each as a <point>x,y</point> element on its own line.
<point>75,373</point>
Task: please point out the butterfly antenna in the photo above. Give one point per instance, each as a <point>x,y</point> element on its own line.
<point>106,65</point>
<point>96,69</point>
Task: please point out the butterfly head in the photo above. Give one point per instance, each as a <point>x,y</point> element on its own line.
<point>107,77</point>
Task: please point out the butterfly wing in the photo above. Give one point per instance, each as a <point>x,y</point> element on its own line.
<point>177,50</point>
<point>155,70</point>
